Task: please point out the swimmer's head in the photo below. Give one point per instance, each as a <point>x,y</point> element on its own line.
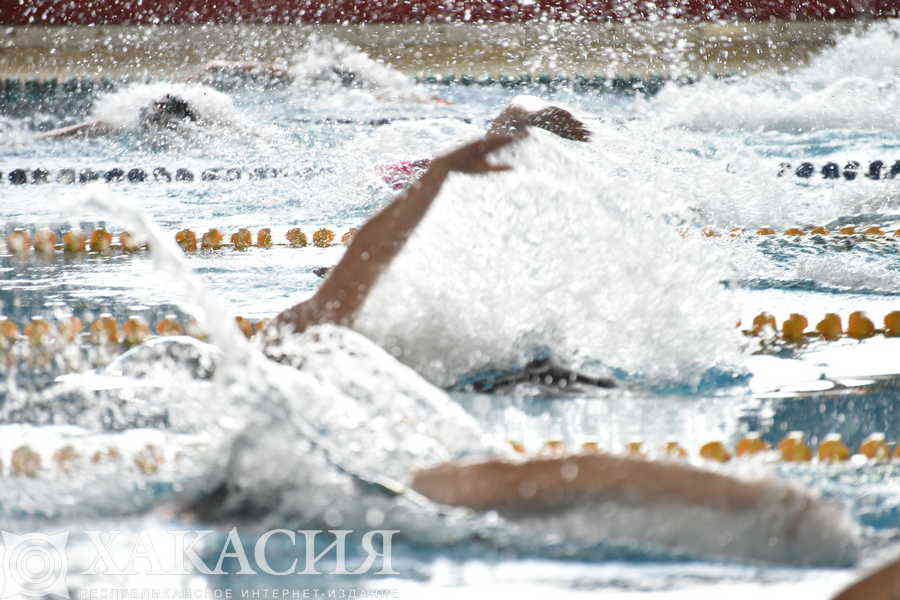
<point>168,112</point>
<point>347,78</point>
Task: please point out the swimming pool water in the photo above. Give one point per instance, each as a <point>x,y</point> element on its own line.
<point>594,253</point>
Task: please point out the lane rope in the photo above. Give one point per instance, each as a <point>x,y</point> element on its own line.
<point>150,459</point>
<point>47,244</point>
<point>24,461</point>
<point>794,329</point>
<point>135,175</point>
<point>877,169</point>
<point>797,232</point>
<point>793,448</point>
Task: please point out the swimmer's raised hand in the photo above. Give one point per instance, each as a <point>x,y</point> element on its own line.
<point>381,238</point>
<point>515,118</point>
<point>561,122</point>
<point>472,158</point>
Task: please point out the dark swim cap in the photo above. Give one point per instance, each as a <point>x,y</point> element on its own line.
<point>166,110</point>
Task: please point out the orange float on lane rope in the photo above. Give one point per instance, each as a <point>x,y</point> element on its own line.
<point>128,242</point>
<point>245,326</point>
<point>323,238</point>
<point>793,328</point>
<point>517,446</point>
<point>553,448</point>
<point>859,326</point>
<point>187,239</point>
<point>635,449</point>
<point>892,324</point>
<point>9,332</point>
<point>45,242</point>
<point>70,328</point>
<point>38,331</point>
<point>25,462</point>
<point>751,445</point>
<point>65,458</point>
<point>833,450</point>
<point>136,331</point>
<point>296,238</point>
<point>590,448</point>
<point>101,240</point>
<point>169,325</point>
<point>348,236</point>
<point>109,454</point>
<point>74,242</point>
<point>715,451</point>
<point>830,327</point>
<point>762,321</point>
<point>19,242</point>
<point>242,240</point>
<point>105,330</point>
<point>875,448</point>
<point>674,450</point>
<point>149,459</point>
<point>794,449</point>
<point>264,238</point>
<point>211,240</point>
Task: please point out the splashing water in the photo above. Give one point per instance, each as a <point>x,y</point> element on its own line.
<point>347,75</point>
<point>576,253</point>
<point>405,422</point>
<point>855,85</point>
<point>122,108</point>
<point>609,272</point>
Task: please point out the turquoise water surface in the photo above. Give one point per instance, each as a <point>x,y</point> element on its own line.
<point>594,254</point>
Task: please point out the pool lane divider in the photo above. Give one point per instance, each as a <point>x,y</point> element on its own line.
<point>50,335</point>
<point>794,330</point>
<point>41,333</point>
<point>152,175</point>
<point>18,93</point>
<point>150,459</point>
<point>793,448</point>
<point>24,461</point>
<point>45,243</point>
<point>243,239</point>
<point>877,169</point>
<point>798,232</point>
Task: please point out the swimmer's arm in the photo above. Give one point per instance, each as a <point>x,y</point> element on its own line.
<point>551,118</point>
<point>379,241</point>
<point>883,584</point>
<point>549,484</point>
<point>87,129</point>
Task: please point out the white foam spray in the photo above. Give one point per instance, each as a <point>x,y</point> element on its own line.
<point>122,108</point>
<point>555,254</point>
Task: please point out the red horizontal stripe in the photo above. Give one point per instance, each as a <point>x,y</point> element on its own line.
<point>59,12</point>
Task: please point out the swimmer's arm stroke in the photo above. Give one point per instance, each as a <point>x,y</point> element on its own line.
<point>882,584</point>
<point>87,129</point>
<point>551,118</point>
<point>382,238</point>
<point>548,484</point>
